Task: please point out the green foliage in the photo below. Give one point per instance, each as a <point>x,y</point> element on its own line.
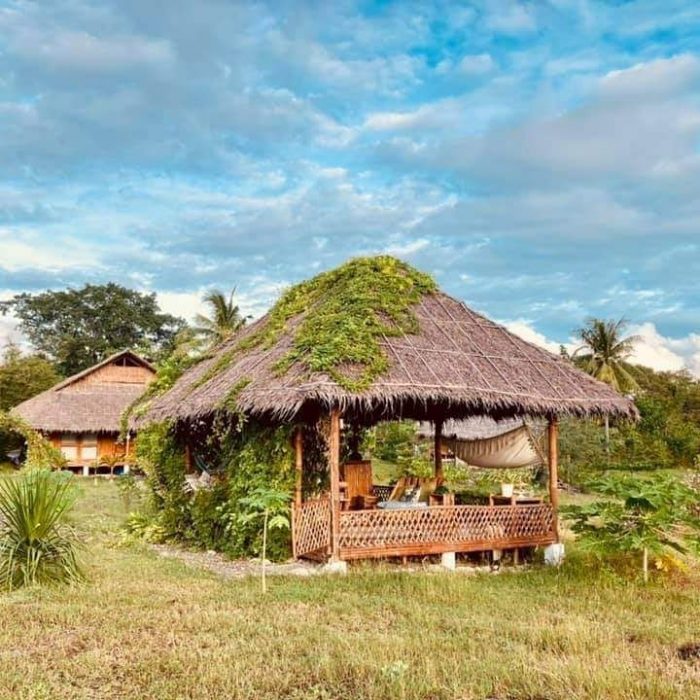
<point>250,458</point>
<point>392,440</point>
<point>224,321</point>
<point>21,377</point>
<point>272,507</point>
<point>128,490</point>
<point>667,435</point>
<point>36,544</point>
<point>79,327</point>
<point>41,454</point>
<point>354,306</point>
<point>652,514</point>
<point>603,353</point>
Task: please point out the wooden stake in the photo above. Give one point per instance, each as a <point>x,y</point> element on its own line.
<point>334,466</point>
<point>298,464</point>
<point>553,463</point>
<point>438,449</point>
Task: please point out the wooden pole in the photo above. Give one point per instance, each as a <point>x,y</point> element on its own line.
<point>188,459</point>
<point>553,463</point>
<point>334,465</point>
<point>438,449</point>
<point>298,464</point>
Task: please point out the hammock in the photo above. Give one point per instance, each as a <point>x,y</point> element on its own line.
<point>511,450</point>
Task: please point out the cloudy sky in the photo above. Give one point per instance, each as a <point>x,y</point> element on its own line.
<point>541,159</point>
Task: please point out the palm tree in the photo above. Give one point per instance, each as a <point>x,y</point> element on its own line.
<point>603,354</point>
<point>225,318</point>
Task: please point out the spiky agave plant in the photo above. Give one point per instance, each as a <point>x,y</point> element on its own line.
<point>37,545</point>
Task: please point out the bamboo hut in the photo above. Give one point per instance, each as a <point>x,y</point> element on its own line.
<point>428,357</point>
<point>81,416</point>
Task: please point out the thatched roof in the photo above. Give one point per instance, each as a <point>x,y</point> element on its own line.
<point>475,428</point>
<point>79,405</point>
<point>451,363</point>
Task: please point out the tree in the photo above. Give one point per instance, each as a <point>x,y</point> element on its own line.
<point>80,327</point>
<point>649,515</point>
<point>23,376</point>
<point>603,355</point>
<point>225,318</point>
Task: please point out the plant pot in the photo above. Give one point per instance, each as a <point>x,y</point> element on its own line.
<point>507,490</point>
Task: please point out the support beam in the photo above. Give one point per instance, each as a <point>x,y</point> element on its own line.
<point>298,464</point>
<point>553,464</point>
<point>188,459</point>
<point>334,466</point>
<point>438,449</point>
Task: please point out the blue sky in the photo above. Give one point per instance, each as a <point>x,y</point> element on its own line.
<point>541,159</point>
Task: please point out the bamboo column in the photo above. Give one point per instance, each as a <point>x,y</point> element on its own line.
<point>334,465</point>
<point>438,449</point>
<point>298,465</point>
<point>553,464</point>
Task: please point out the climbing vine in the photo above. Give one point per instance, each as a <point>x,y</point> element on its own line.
<point>40,452</point>
<point>347,311</point>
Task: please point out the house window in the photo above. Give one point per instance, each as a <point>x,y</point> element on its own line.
<point>69,446</point>
<point>88,447</point>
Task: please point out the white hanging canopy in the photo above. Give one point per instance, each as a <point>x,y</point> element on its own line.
<point>484,442</point>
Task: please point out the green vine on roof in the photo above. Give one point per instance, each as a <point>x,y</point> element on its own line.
<point>348,311</point>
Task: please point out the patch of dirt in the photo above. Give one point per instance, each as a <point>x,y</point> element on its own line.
<point>239,568</point>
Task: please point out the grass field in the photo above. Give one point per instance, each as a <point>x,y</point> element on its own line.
<point>146,627</point>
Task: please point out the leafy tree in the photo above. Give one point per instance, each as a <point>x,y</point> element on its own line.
<point>649,515</point>
<point>79,327</point>
<point>21,377</point>
<point>603,355</point>
<point>225,318</point>
<point>36,543</point>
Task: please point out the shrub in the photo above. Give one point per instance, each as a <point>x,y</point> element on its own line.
<point>36,543</point>
<point>657,515</point>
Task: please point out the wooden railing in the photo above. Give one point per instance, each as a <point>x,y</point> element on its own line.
<point>375,533</point>
<point>311,527</point>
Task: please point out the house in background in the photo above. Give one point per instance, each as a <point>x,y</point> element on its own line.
<point>81,415</point>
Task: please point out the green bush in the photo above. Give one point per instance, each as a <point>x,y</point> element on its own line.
<point>36,543</point>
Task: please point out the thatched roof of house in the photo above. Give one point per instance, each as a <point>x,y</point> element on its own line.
<point>440,359</point>
<point>78,405</point>
<point>476,428</point>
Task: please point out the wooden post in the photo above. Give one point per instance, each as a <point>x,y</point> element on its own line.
<point>298,464</point>
<point>553,463</point>
<point>188,459</point>
<point>334,466</point>
<point>438,449</point>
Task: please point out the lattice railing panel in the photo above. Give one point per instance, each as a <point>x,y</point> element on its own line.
<point>311,526</point>
<point>434,527</point>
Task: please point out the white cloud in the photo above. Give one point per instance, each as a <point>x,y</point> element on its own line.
<point>660,77</point>
<point>28,249</point>
<point>476,64</point>
<point>83,52</point>
<point>652,349</point>
<point>511,17</point>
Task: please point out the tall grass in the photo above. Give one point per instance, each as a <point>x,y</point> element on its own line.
<point>37,545</point>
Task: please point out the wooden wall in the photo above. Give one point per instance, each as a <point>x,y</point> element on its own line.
<point>113,374</point>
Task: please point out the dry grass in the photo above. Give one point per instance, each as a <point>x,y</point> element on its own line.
<point>146,627</point>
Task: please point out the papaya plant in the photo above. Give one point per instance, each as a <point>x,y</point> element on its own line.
<point>652,515</point>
